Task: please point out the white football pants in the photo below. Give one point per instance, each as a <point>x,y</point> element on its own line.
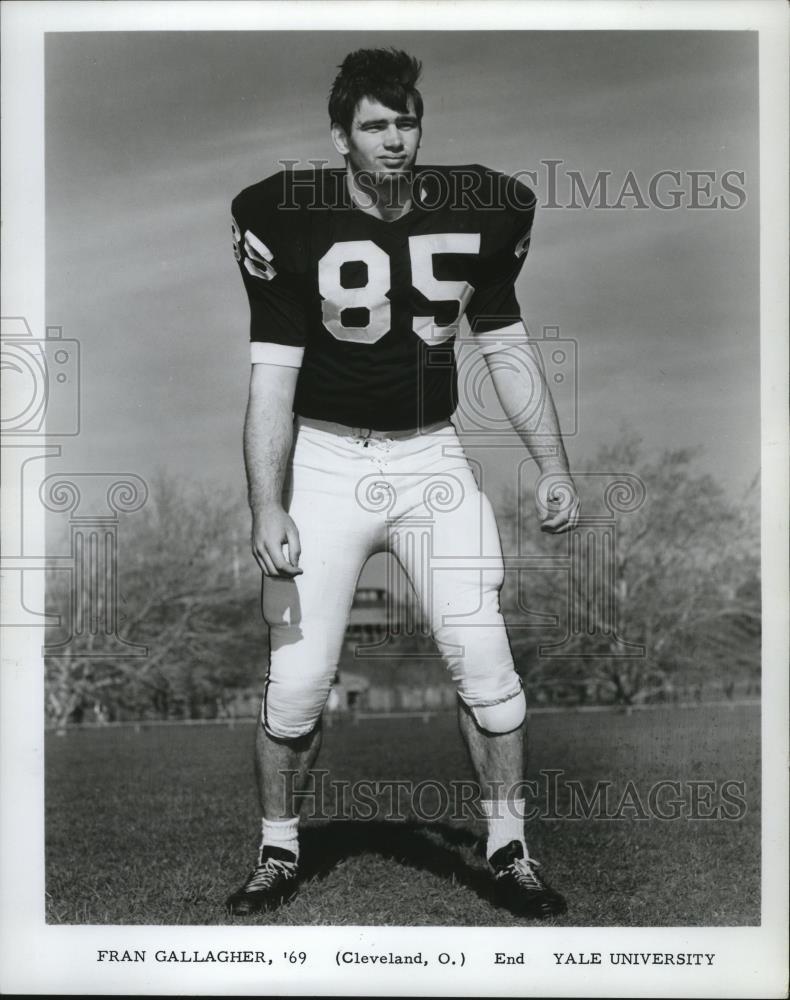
<point>351,496</point>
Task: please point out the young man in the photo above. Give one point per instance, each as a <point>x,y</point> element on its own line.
<point>357,280</point>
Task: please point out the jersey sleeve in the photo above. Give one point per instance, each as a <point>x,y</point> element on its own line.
<point>493,311</point>
<point>269,250</point>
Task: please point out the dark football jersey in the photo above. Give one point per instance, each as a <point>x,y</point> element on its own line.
<point>369,308</point>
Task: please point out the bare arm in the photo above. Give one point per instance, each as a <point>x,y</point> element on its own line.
<point>268,433</point>
<point>525,397</point>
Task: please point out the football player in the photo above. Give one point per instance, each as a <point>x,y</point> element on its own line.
<point>357,280</point>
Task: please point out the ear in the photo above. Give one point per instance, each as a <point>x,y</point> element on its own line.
<point>340,139</point>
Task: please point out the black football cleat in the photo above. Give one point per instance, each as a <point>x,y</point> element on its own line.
<point>519,888</point>
<point>273,882</point>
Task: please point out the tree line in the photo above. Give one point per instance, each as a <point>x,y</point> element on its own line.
<point>675,607</point>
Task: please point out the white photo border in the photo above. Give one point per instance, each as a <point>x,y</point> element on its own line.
<point>40,958</point>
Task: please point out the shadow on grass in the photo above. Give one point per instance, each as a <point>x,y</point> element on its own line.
<point>431,847</point>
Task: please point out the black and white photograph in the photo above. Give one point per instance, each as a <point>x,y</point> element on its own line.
<point>394,447</point>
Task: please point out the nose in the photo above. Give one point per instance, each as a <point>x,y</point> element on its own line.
<point>392,138</point>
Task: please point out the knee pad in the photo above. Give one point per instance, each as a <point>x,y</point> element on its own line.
<point>502,716</point>
<point>286,720</point>
<point>481,665</point>
<point>294,697</point>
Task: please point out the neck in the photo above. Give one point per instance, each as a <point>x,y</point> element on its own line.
<point>387,200</point>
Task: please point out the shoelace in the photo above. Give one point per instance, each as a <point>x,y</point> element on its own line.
<point>265,874</point>
<point>523,870</point>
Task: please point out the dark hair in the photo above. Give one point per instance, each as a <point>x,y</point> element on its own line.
<point>386,75</point>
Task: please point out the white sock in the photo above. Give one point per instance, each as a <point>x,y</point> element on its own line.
<point>505,818</point>
<point>282,833</point>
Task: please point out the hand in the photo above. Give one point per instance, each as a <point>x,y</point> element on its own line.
<point>558,502</point>
<point>275,543</point>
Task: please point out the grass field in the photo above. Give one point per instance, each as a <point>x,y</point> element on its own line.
<point>157,826</point>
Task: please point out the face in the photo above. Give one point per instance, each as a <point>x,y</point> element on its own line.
<point>381,141</point>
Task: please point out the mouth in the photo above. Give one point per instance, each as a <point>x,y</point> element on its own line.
<point>392,161</point>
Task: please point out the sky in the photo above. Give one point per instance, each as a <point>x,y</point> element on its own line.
<point>150,135</point>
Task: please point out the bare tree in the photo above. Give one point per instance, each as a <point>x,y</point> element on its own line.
<point>684,582</point>
<point>179,565</point>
